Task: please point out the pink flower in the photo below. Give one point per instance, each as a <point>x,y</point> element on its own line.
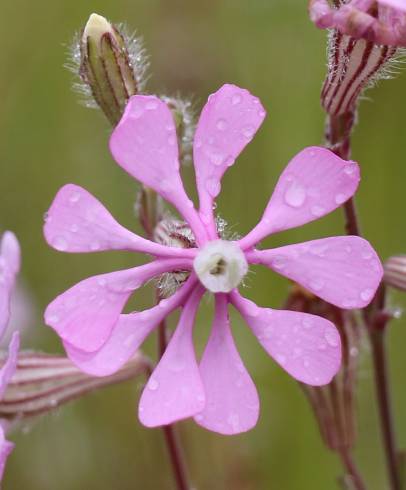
<point>218,392</point>
<point>379,21</point>
<point>9,267</point>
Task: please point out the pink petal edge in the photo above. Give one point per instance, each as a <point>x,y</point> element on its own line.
<point>232,403</point>
<point>145,144</point>
<point>10,259</point>
<point>306,346</point>
<point>228,122</point>
<point>9,366</point>
<point>77,222</point>
<point>314,183</point>
<point>344,271</point>
<point>127,336</point>
<point>84,315</point>
<point>175,390</point>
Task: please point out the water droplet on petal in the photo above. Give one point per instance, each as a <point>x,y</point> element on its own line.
<point>213,187</point>
<point>221,125</point>
<point>60,243</point>
<point>281,359</point>
<point>367,294</point>
<point>340,198</point>
<point>95,246</point>
<point>279,262</point>
<point>307,323</point>
<point>248,132</point>
<point>74,197</point>
<point>151,105</point>
<point>349,169</point>
<point>153,384</point>
<point>236,99</point>
<point>332,337</point>
<point>295,195</point>
<point>317,211</point>
<point>317,284</point>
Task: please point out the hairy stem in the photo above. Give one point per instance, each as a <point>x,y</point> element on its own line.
<point>352,471</point>
<point>379,355</point>
<point>148,213</point>
<point>338,135</point>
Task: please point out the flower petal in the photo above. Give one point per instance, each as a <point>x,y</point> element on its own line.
<point>175,390</point>
<point>144,143</point>
<point>344,271</point>
<point>128,334</point>
<point>78,222</point>
<point>232,404</point>
<point>10,257</point>
<point>396,4</point>
<point>8,368</point>
<point>228,122</point>
<point>5,449</point>
<point>308,347</point>
<point>85,315</point>
<point>315,182</point>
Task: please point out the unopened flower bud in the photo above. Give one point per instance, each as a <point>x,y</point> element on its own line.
<point>353,66</point>
<point>173,233</point>
<point>395,272</point>
<point>110,64</point>
<point>333,405</point>
<point>185,125</point>
<point>43,382</point>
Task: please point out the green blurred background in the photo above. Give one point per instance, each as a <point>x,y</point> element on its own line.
<point>47,139</point>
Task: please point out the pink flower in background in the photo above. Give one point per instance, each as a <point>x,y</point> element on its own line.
<point>9,267</point>
<point>380,21</point>
<point>218,392</point>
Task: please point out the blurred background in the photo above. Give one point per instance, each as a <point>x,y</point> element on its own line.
<point>48,139</point>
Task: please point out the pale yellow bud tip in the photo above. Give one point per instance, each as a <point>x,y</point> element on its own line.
<point>97,26</point>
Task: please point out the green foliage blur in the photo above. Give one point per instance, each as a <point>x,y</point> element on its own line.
<point>48,139</point>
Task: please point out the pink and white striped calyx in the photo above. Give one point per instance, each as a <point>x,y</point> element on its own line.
<point>217,391</point>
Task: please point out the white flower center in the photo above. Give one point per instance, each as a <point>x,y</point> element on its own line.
<point>220,266</point>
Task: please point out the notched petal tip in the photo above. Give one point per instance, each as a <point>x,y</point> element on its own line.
<point>306,346</point>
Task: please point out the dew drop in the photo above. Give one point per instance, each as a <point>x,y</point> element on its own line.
<point>281,359</point>
<point>236,99</point>
<point>340,198</point>
<point>53,319</point>
<point>367,294</point>
<point>95,246</point>
<point>199,417</point>
<point>172,140</point>
<point>101,281</point>
<point>60,243</point>
<point>248,132</point>
<point>349,169</point>
<point>217,158</point>
<point>74,197</point>
<point>317,284</point>
<point>317,211</point>
<point>153,384</point>
<point>221,125</point>
<point>331,337</point>
<point>213,187</point>
<point>295,195</point>
<point>279,262</point>
<point>151,105</point>
<point>307,323</point>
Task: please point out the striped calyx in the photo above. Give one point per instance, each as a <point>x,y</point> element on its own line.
<point>395,272</point>
<point>353,66</point>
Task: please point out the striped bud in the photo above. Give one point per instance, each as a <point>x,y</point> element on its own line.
<point>395,272</point>
<point>354,65</point>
